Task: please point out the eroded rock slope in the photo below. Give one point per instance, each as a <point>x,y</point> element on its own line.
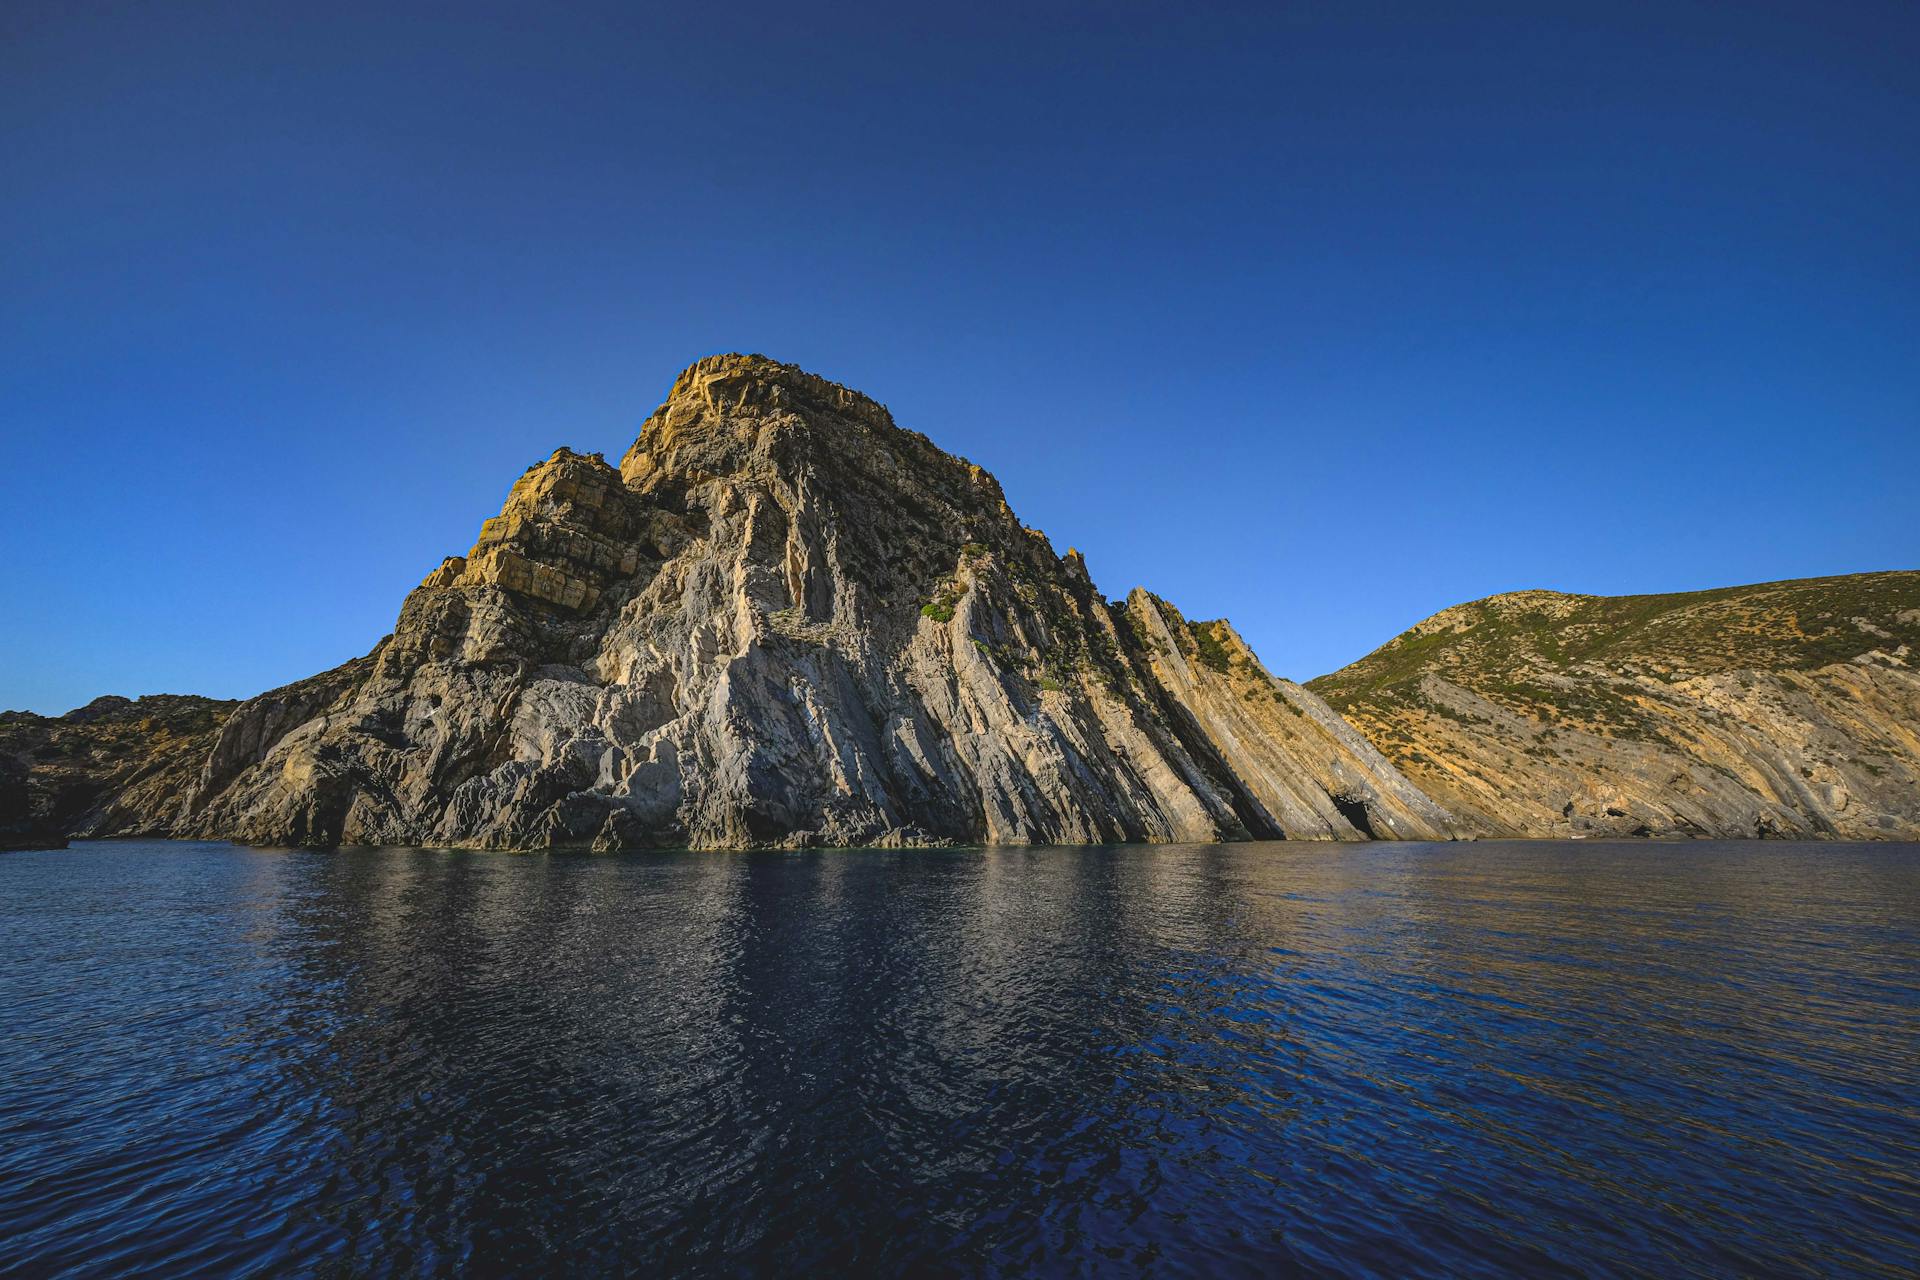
<point>1783,709</point>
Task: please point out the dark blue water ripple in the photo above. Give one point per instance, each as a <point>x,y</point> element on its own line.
<point>1384,1061</point>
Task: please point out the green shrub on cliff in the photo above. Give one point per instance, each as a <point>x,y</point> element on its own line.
<point>940,608</point>
<point>1212,652</point>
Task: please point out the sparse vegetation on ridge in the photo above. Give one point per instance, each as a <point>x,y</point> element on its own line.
<point>1629,709</point>
<point>1211,651</point>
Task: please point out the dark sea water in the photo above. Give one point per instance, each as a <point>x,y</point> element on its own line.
<point>1383,1060</point>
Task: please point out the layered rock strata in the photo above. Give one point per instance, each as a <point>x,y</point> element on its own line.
<point>1311,774</point>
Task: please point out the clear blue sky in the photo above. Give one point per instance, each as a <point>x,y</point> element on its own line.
<point>1322,317</point>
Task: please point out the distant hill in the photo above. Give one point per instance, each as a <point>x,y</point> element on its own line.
<point>1783,708</point>
<point>107,768</point>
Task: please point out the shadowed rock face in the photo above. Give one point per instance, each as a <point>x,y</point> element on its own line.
<point>1785,709</point>
<point>784,620</point>
<point>116,766</point>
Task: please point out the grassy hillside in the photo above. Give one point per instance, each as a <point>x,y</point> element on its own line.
<point>1572,659</point>
<point>1782,708</point>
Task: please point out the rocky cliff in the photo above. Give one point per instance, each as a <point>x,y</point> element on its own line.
<point>784,620</point>
<point>114,766</point>
<point>1785,709</point>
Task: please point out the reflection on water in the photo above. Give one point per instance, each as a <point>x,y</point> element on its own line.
<point>1375,1060</point>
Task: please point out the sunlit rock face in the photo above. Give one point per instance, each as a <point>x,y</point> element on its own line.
<point>1307,771</point>
<point>784,620</point>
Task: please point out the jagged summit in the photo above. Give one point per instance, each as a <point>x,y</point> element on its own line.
<point>736,393</point>
<point>739,379</point>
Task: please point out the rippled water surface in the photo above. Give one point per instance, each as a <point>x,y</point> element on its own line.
<point>1391,1060</point>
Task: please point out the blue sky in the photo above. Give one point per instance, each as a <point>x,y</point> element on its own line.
<point>1321,317</point>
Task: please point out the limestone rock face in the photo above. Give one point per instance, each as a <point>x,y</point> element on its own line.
<point>562,536</point>
<point>1787,709</point>
<point>783,620</point>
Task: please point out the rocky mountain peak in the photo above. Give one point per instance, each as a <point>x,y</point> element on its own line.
<point>718,405</point>
<point>783,620</point>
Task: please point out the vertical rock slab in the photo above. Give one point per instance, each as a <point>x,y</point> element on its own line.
<point>1310,774</point>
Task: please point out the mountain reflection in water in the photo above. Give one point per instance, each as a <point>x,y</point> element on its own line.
<point>1384,1060</point>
